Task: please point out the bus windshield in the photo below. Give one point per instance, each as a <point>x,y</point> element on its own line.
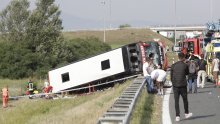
<point>155,49</point>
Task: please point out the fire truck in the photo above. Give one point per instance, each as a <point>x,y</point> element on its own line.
<point>191,45</point>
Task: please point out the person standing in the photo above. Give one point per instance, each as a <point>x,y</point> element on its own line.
<point>202,72</point>
<point>192,77</point>
<point>215,69</point>
<point>5,97</point>
<point>147,69</point>
<point>179,71</point>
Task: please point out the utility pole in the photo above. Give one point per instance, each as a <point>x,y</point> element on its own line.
<point>110,13</point>
<point>175,23</point>
<point>103,3</point>
<point>211,18</point>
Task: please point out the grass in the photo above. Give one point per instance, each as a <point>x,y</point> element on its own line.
<point>80,110</point>
<point>147,109</point>
<point>117,38</point>
<point>171,57</point>
<point>17,87</point>
<point>75,110</point>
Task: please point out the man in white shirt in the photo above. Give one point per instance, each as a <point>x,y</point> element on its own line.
<point>159,76</point>
<point>215,69</point>
<point>147,69</point>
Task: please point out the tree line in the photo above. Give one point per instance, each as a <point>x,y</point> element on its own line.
<point>31,41</point>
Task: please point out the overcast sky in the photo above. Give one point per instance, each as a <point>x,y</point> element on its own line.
<point>93,14</point>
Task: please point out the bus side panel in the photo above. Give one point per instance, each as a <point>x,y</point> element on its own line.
<point>88,70</point>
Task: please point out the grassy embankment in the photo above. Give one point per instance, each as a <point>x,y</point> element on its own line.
<point>79,110</point>
<point>117,38</point>
<point>147,109</point>
<point>85,109</point>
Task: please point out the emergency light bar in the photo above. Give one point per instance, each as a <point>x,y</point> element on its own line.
<point>213,26</point>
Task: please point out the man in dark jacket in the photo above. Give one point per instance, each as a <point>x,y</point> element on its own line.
<point>179,71</point>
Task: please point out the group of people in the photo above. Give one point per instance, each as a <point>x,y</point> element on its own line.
<point>154,76</point>
<point>185,72</point>
<point>30,90</point>
<point>195,69</point>
<point>197,72</point>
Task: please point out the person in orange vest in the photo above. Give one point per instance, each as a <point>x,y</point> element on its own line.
<point>5,97</point>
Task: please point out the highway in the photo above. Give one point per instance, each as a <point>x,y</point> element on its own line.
<point>205,106</point>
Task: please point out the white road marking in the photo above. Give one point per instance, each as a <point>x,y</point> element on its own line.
<point>166,111</point>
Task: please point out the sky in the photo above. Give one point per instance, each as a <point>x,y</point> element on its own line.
<point>99,14</point>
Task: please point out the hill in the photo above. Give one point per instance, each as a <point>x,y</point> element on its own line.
<point>119,37</point>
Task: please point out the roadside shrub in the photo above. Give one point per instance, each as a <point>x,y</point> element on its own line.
<point>77,49</point>
<point>17,61</point>
<point>124,26</point>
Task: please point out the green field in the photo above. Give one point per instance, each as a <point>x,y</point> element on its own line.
<point>85,109</point>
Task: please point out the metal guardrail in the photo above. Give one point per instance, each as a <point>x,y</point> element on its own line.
<point>120,111</point>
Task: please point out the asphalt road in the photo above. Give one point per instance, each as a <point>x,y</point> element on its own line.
<point>205,106</point>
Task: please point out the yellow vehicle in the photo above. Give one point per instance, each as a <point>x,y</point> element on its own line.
<point>212,48</point>
<point>212,43</point>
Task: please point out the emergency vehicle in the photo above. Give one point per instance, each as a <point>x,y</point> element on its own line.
<point>212,46</point>
<point>194,46</point>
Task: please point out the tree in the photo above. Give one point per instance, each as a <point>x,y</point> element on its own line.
<point>124,26</point>
<point>44,27</point>
<point>16,61</point>
<point>42,45</point>
<point>40,33</point>
<point>44,32</point>
<point>77,49</point>
<point>13,20</point>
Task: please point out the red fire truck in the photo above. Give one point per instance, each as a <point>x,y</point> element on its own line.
<point>191,45</point>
